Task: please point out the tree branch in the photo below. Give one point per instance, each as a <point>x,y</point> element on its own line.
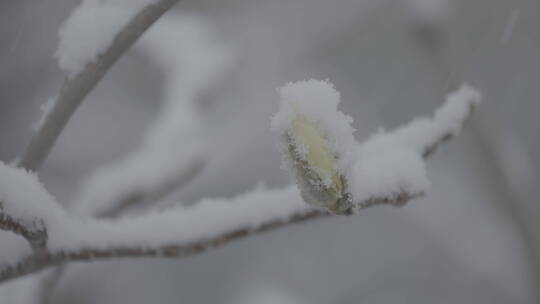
<point>36,236</point>
<point>185,232</point>
<point>36,263</point>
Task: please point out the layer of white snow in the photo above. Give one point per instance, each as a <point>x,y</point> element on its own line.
<point>391,163</point>
<point>90,30</point>
<point>421,133</point>
<point>24,198</point>
<point>317,101</point>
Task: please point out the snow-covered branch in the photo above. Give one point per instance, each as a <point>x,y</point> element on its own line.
<point>86,65</point>
<point>35,235</point>
<point>176,232</point>
<point>20,218</point>
<point>180,232</point>
<point>334,171</point>
<point>184,231</point>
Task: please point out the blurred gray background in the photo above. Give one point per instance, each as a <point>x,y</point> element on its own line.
<point>472,239</point>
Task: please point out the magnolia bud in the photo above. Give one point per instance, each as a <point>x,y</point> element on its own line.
<point>315,168</point>
<point>318,142</point>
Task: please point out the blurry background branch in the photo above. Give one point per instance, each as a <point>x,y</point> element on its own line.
<point>77,87</point>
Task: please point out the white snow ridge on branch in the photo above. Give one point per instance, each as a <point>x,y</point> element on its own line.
<point>74,53</point>
<point>387,169</point>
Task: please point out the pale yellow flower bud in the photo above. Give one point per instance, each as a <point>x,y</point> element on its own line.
<point>315,164</point>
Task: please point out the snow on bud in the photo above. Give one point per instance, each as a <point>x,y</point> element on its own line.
<point>316,137</point>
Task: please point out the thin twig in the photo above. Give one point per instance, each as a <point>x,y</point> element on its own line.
<point>36,235</point>
<point>134,198</point>
<point>36,263</point>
